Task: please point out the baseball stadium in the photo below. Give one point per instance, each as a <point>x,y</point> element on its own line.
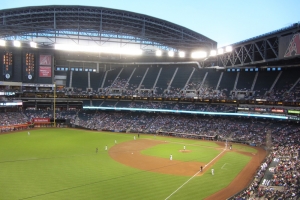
<point>101,103</point>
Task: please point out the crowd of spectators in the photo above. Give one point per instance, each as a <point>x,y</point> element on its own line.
<point>235,129</point>
<point>286,91</point>
<point>10,120</point>
<point>183,106</point>
<point>286,173</point>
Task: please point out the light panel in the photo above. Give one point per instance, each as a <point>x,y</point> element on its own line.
<point>228,49</point>
<point>220,51</point>
<point>33,44</point>
<point>213,53</point>
<point>171,53</point>
<point>199,54</point>
<point>181,54</point>
<point>17,43</point>
<point>97,49</point>
<point>2,42</point>
<point>158,53</point>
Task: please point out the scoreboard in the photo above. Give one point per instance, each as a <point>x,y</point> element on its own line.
<point>29,65</point>
<point>7,64</point>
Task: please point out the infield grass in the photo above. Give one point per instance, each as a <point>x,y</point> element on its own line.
<point>62,164</point>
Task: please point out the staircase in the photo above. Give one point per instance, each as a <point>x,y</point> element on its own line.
<point>294,85</point>
<point>158,75</point>
<point>236,80</point>
<point>143,78</point>
<point>71,77</point>
<point>129,77</point>
<point>274,83</point>
<point>254,81</point>
<point>187,82</point>
<point>221,75</point>
<point>169,86</point>
<point>203,81</point>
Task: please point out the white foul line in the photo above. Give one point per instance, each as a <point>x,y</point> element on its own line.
<point>223,165</point>
<point>194,175</point>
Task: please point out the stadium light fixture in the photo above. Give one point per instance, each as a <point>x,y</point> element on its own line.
<point>158,53</point>
<point>171,53</point>
<point>220,51</point>
<point>97,49</point>
<point>181,54</point>
<point>124,51</point>
<point>213,53</point>
<point>199,54</point>
<point>17,43</point>
<point>2,42</point>
<point>228,49</point>
<point>33,44</point>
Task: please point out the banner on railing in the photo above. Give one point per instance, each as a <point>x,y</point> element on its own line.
<point>278,110</point>
<point>41,120</point>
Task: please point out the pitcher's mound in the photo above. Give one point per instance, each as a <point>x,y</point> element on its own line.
<point>185,151</point>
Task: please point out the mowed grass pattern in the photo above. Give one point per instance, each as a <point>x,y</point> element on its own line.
<point>63,164</point>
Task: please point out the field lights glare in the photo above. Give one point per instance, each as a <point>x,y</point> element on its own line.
<point>2,42</point>
<point>199,54</point>
<point>181,54</point>
<point>33,44</point>
<point>17,43</point>
<point>97,49</point>
<point>158,53</point>
<point>228,49</point>
<point>220,51</point>
<point>213,53</point>
<point>171,53</point>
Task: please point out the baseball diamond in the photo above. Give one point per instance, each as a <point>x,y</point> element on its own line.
<point>79,166</point>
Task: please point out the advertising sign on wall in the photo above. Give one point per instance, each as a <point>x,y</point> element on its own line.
<point>41,120</point>
<point>45,71</point>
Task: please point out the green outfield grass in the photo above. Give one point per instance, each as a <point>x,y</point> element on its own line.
<point>197,153</point>
<point>62,164</point>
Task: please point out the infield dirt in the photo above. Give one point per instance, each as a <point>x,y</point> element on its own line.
<point>129,153</point>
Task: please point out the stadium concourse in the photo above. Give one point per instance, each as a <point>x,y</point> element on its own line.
<point>282,161</point>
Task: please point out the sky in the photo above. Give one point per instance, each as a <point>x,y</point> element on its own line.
<point>225,21</point>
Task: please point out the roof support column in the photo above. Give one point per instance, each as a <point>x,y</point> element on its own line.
<point>54,24</point>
